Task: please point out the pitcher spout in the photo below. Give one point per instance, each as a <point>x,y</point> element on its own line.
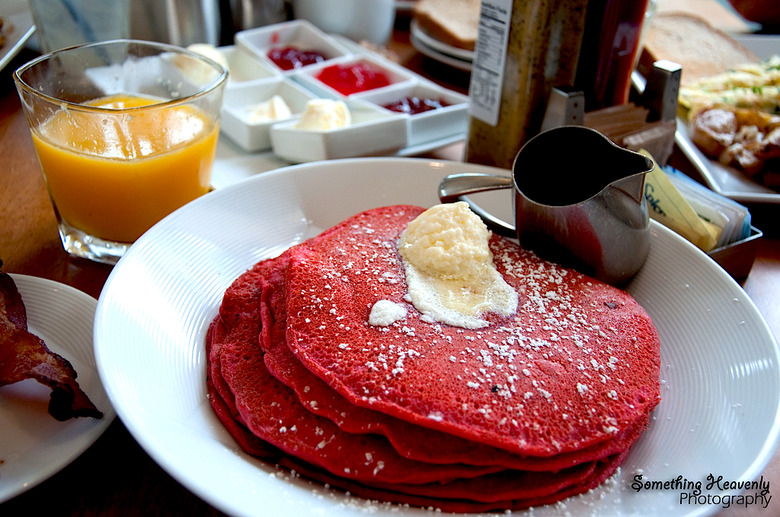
<point>633,186</point>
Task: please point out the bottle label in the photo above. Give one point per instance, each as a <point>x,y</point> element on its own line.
<point>487,74</point>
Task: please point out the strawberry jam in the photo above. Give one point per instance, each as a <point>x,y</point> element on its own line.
<point>414,105</point>
<point>289,58</point>
<point>352,78</point>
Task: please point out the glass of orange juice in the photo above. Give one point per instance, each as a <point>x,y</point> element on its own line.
<point>126,133</point>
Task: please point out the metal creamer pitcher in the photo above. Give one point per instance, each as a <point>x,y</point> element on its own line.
<point>579,201</point>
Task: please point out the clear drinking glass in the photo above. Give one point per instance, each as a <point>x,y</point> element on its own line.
<point>126,133</point>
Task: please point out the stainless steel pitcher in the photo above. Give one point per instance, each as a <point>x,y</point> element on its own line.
<point>579,201</point>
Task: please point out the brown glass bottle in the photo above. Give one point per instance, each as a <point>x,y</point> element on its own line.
<point>524,49</point>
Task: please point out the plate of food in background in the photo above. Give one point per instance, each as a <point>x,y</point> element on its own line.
<point>728,122</point>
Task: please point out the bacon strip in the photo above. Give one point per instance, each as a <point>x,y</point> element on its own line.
<point>25,356</point>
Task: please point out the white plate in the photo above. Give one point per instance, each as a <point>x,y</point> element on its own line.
<point>438,45</point>
<point>33,445</point>
<point>437,55</point>
<point>720,178</point>
<point>762,45</point>
<point>720,371</point>
<point>18,16</point>
<point>723,179</point>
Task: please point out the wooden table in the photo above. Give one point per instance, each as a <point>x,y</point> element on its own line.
<point>115,476</point>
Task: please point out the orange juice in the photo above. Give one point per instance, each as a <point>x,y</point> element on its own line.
<point>114,175</point>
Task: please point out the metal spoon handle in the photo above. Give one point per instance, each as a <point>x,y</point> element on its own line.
<point>456,186</point>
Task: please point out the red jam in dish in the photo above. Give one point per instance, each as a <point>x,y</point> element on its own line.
<point>353,78</point>
<point>289,58</point>
<point>414,105</point>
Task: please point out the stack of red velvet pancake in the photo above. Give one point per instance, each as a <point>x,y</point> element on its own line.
<point>529,410</point>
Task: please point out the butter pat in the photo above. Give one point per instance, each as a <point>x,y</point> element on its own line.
<point>324,115</point>
<point>274,108</point>
<point>449,268</point>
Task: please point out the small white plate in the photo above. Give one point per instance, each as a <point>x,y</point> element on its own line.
<point>723,179</point>
<point>720,364</point>
<point>33,445</point>
<point>439,46</point>
<point>18,29</point>
<point>434,54</point>
<point>376,132</point>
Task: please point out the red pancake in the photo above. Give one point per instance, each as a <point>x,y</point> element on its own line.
<point>409,440</point>
<point>531,410</point>
<point>397,494</point>
<point>272,413</point>
<point>500,488</point>
<point>270,410</point>
<point>576,366</point>
<point>603,471</point>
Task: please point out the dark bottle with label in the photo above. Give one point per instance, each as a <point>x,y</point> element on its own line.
<point>524,49</point>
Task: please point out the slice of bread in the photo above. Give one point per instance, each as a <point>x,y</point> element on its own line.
<point>690,41</point>
<point>453,22</point>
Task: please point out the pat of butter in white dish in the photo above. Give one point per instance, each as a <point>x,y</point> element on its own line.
<point>324,115</point>
<point>274,108</point>
<point>449,268</point>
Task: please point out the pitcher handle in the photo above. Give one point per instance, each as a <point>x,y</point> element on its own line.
<point>455,186</point>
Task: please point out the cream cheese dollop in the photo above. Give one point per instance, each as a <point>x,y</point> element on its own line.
<point>449,268</point>
<point>324,115</point>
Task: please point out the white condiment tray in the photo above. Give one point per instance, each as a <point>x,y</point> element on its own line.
<point>254,78</point>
